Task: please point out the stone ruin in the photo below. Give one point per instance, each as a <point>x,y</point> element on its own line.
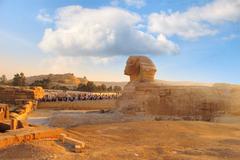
<point>15,105</point>
<point>144,95</point>
<point>4,112</point>
<point>140,69</point>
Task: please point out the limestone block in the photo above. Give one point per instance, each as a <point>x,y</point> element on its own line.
<point>13,95</point>
<point>77,148</point>
<point>4,112</point>
<point>14,123</point>
<point>78,145</point>
<point>28,134</point>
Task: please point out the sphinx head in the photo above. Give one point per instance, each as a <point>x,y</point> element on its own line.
<point>140,68</point>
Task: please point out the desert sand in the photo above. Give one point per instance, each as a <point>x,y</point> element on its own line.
<point>163,140</point>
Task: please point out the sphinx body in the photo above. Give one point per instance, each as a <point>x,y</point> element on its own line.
<point>144,95</point>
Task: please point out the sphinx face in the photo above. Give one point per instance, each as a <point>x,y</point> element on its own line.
<point>130,68</point>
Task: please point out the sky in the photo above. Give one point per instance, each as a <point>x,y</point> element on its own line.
<point>188,40</point>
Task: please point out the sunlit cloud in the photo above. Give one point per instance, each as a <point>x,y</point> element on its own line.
<point>196,21</point>
<point>102,32</point>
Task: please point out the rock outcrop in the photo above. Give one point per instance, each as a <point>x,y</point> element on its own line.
<point>144,95</point>
<point>67,79</point>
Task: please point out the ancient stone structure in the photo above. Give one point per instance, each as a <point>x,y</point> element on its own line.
<point>144,95</point>
<point>4,112</point>
<point>14,128</point>
<point>11,137</point>
<point>78,145</point>
<point>140,68</point>
<point>19,102</point>
<point>16,95</point>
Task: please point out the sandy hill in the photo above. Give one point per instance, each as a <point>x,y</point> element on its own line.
<point>69,80</point>
<point>58,79</point>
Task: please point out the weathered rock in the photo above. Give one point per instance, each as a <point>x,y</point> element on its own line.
<point>140,68</point>
<point>4,112</point>
<point>21,102</point>
<point>28,134</point>
<point>143,95</point>
<point>13,95</point>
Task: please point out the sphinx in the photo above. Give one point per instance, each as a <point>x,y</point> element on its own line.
<point>147,96</point>
<point>140,68</point>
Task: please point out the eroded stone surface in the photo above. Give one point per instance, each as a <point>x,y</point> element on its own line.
<point>28,134</point>
<point>21,101</point>
<point>186,101</point>
<point>140,68</point>
<point>18,95</point>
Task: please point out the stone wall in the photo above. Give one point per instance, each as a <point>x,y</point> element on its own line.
<point>12,95</point>
<point>21,101</point>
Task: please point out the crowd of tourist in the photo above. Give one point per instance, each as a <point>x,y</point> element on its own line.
<point>66,97</point>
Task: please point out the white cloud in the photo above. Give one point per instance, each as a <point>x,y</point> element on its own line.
<point>44,16</point>
<point>101,32</point>
<point>133,3</point>
<point>101,60</point>
<point>196,21</point>
<point>230,37</point>
<point>136,3</point>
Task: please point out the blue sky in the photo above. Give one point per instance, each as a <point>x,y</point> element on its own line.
<point>188,40</point>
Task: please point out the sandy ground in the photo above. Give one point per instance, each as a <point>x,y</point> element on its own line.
<point>38,150</point>
<point>160,140</point>
<point>151,140</point>
<point>110,136</point>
